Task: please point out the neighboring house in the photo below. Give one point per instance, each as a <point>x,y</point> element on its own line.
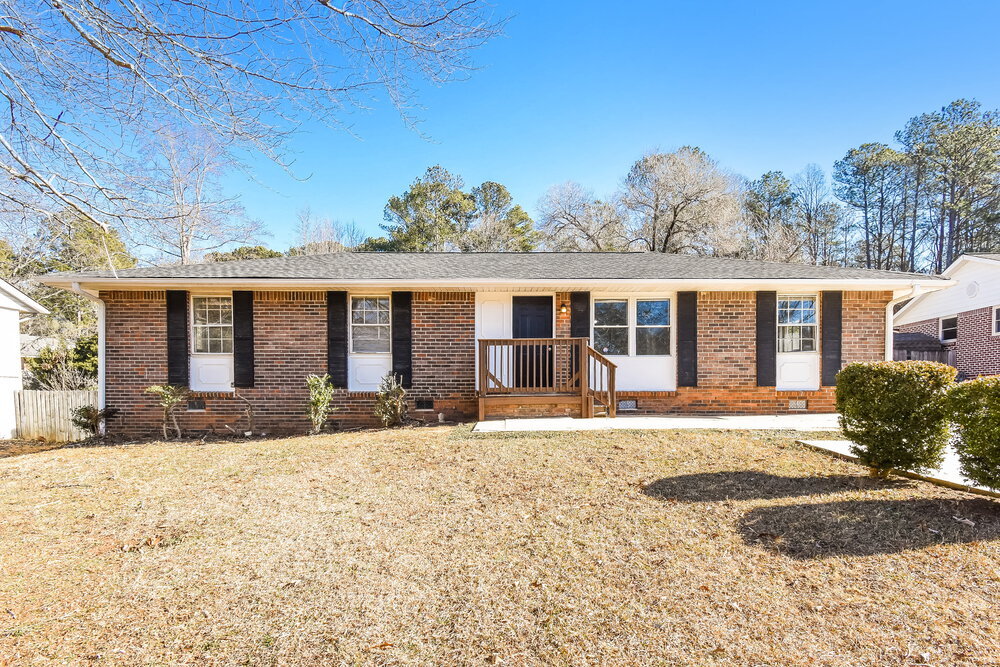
<point>32,346</point>
<point>486,334</point>
<point>965,317</point>
<point>14,305</point>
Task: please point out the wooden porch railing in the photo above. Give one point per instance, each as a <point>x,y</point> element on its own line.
<point>545,370</point>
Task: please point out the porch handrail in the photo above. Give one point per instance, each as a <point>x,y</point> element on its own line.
<point>547,366</point>
<point>602,380</point>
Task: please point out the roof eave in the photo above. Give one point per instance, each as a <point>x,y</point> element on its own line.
<point>97,284</point>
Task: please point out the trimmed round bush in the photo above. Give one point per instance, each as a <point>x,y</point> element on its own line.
<point>975,409</point>
<point>896,413</point>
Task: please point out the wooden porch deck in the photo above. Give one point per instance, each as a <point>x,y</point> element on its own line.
<point>545,371</point>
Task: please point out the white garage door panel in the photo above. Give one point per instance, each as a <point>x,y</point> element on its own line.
<point>798,372</point>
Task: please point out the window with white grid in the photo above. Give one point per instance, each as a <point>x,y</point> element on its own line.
<point>212,324</point>
<point>796,324</point>
<point>370,324</point>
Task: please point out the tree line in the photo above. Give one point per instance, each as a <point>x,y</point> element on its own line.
<point>915,205</point>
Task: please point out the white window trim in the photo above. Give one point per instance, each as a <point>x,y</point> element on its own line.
<point>632,318</point>
<point>629,338</point>
<point>351,324</point>
<point>192,339</point>
<point>778,325</point>
<point>941,328</point>
<point>994,324</point>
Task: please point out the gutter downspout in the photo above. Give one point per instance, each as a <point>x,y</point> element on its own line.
<point>100,342</point>
<point>915,291</point>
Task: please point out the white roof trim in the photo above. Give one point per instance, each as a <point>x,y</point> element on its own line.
<point>947,273</point>
<point>715,284</point>
<point>28,305</point>
<point>965,259</point>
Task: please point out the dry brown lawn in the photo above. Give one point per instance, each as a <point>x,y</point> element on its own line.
<point>436,546</point>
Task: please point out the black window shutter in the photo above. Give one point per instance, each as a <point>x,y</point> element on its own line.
<point>177,338</point>
<point>579,314</point>
<point>832,327</point>
<point>687,339</point>
<point>243,339</point>
<point>402,337</point>
<point>767,338</point>
<point>336,337</point>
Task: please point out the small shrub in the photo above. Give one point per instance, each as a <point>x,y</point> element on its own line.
<point>170,397</point>
<point>88,418</point>
<point>390,405</point>
<point>320,396</point>
<point>974,406</point>
<point>895,412</point>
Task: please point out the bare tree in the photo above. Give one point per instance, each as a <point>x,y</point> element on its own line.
<point>318,235</point>
<point>681,202</point>
<point>185,211</point>
<point>572,219</point>
<point>81,79</point>
<point>820,218</point>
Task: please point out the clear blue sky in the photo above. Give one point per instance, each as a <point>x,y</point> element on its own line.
<point>577,91</point>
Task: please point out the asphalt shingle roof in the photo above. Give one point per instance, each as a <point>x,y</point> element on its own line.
<point>502,266</point>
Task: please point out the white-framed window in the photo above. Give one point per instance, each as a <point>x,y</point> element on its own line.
<point>949,328</point>
<point>796,323</point>
<point>370,324</point>
<point>652,327</point>
<point>996,320</point>
<point>212,324</point>
<point>637,326</point>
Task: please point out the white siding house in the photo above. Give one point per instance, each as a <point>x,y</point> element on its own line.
<point>14,305</point>
<point>964,318</point>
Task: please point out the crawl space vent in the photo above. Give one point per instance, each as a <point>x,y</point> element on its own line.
<point>425,404</point>
<point>627,405</point>
<point>797,404</point>
<point>196,405</point>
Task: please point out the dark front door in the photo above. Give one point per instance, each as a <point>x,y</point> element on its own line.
<point>532,361</point>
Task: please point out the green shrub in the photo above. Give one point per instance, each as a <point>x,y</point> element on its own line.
<point>320,396</point>
<point>88,418</point>
<point>974,406</point>
<point>896,413</point>
<point>390,404</point>
<point>170,397</point>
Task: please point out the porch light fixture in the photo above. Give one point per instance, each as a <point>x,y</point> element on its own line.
<point>564,308</point>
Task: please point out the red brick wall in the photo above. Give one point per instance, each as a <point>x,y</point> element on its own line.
<point>929,327</point>
<point>290,339</point>
<point>727,340</point>
<point>444,353</point>
<point>727,369</point>
<point>977,350</point>
<point>289,344</point>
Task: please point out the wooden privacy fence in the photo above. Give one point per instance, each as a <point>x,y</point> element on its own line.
<point>49,414</point>
<point>946,356</point>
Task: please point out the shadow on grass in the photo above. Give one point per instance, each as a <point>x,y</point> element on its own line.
<point>755,485</point>
<point>869,527</point>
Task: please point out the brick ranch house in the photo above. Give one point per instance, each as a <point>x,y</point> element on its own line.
<point>485,334</point>
<point>962,320</point>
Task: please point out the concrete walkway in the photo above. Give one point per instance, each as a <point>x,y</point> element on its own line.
<point>803,422</point>
<point>947,475</point>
